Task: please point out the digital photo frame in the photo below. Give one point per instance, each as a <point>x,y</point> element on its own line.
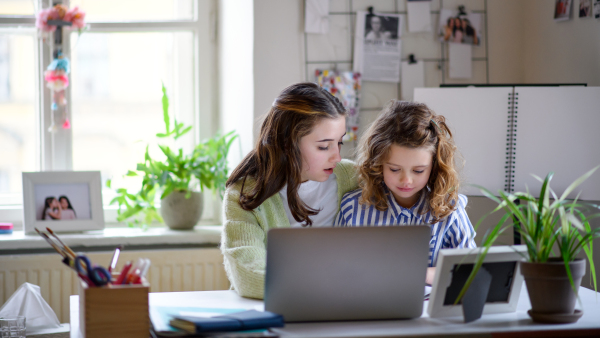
<point>454,267</point>
<point>65,201</point>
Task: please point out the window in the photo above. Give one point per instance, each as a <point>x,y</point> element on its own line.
<point>17,111</point>
<point>114,96</point>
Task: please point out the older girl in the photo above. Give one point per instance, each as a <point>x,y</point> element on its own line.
<point>294,177</point>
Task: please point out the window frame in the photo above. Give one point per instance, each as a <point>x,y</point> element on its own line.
<point>205,94</point>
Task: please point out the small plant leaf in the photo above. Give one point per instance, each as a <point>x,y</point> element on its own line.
<point>577,182</point>
<point>165,107</point>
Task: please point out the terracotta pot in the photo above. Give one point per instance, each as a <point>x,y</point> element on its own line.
<point>180,213</point>
<point>549,287</point>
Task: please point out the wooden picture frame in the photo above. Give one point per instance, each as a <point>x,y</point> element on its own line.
<point>441,304</point>
<point>79,191</point>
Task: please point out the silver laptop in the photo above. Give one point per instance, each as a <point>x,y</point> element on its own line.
<point>365,273</point>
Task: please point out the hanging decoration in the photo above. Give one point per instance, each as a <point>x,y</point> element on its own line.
<point>50,22</point>
<point>45,18</point>
<point>57,80</point>
<point>346,87</point>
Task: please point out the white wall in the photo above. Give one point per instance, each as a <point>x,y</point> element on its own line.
<point>557,52</point>
<point>505,40</point>
<point>278,51</point>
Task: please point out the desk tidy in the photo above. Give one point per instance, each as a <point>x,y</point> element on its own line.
<point>111,304</point>
<point>114,310</point>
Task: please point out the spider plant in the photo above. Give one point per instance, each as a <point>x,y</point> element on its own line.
<point>543,225</point>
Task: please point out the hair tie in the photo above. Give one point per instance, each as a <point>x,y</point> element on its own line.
<point>437,125</point>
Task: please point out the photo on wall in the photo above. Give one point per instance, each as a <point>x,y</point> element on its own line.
<point>585,8</point>
<point>381,27</point>
<point>562,10</point>
<point>457,27</point>
<point>596,9</point>
<point>65,201</point>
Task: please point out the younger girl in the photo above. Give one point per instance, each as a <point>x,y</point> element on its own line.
<point>294,176</point>
<point>52,209</point>
<point>407,176</point>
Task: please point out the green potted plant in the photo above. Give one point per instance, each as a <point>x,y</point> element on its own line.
<point>178,178</point>
<point>554,231</point>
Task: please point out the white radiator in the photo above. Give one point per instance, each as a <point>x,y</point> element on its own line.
<point>171,270</point>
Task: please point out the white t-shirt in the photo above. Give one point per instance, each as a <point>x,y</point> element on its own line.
<point>319,196</point>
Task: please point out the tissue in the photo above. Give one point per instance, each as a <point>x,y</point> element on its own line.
<point>28,301</point>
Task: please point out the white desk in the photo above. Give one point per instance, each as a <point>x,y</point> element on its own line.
<point>499,325</point>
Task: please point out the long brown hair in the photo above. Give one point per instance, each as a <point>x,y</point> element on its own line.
<point>276,159</point>
<point>411,125</point>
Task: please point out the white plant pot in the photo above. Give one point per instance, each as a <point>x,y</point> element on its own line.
<point>180,213</point>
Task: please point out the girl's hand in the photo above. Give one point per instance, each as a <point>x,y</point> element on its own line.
<point>429,276</point>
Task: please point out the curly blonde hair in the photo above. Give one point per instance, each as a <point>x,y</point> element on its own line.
<point>411,125</point>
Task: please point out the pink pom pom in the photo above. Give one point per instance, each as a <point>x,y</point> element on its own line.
<point>66,124</point>
<point>42,19</point>
<point>76,17</point>
<point>57,81</point>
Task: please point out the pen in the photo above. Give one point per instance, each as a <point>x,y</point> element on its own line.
<point>136,271</point>
<point>143,272</point>
<point>123,273</point>
<point>138,263</point>
<point>115,258</point>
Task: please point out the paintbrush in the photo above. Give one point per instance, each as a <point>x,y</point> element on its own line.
<point>61,242</point>
<point>56,247</point>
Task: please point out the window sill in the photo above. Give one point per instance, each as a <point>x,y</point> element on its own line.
<point>106,240</point>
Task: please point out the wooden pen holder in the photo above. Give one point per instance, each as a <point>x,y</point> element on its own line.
<point>114,310</point>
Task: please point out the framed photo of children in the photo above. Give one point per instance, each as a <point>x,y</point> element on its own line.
<point>65,201</point>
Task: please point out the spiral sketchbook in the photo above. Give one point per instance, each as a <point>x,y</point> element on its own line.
<point>506,134</point>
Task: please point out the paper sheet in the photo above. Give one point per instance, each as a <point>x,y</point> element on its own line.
<point>459,60</point>
<point>419,16</point>
<point>316,18</point>
<point>413,76</point>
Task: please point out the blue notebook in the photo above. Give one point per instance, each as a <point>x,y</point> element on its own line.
<point>245,320</point>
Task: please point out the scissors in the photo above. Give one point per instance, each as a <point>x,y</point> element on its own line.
<point>98,275</point>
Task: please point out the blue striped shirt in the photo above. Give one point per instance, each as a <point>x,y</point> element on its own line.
<point>453,231</point>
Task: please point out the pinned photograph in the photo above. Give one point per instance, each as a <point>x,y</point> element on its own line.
<point>460,27</point>
<point>585,8</point>
<point>381,27</point>
<point>66,201</point>
<point>378,46</point>
<point>562,10</point>
<point>596,9</point>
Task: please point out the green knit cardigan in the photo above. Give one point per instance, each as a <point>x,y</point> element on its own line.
<point>244,237</point>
